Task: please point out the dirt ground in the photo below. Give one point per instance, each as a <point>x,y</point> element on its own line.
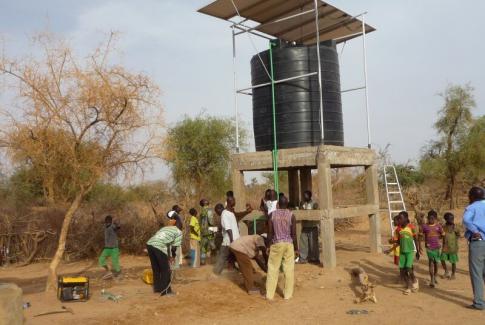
<point>321,295</point>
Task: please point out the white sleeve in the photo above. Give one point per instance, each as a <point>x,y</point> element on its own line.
<point>224,219</point>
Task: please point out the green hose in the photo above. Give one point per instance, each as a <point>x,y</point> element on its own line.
<point>275,148</point>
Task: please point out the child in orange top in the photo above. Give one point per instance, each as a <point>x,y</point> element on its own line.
<point>395,240</point>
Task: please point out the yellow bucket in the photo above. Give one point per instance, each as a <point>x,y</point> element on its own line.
<point>147,276</point>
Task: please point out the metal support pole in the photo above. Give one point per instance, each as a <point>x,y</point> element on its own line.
<point>275,142</point>
<point>365,84</point>
<point>317,28</point>
<point>235,86</point>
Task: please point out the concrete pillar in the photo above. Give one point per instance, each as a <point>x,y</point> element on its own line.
<point>293,187</point>
<point>372,191</point>
<point>305,180</point>
<point>328,254</point>
<point>11,311</point>
<point>298,232</point>
<point>327,235</point>
<point>239,190</point>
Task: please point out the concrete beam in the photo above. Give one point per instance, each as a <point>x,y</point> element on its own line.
<point>304,157</point>
<point>317,215</point>
<point>347,157</point>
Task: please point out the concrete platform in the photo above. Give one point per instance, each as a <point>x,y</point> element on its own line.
<point>299,162</point>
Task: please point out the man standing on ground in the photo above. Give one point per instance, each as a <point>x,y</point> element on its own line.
<point>247,248</point>
<point>111,246</point>
<point>284,247</point>
<point>207,241</point>
<point>230,230</point>
<point>474,222</point>
<point>309,248</point>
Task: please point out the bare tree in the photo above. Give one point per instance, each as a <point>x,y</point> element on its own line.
<point>82,120</point>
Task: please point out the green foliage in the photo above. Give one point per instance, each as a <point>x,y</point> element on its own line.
<point>108,196</point>
<point>474,151</point>
<point>455,117</point>
<point>21,188</point>
<point>197,151</point>
<point>408,175</point>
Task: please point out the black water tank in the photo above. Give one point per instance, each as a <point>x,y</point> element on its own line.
<point>297,101</point>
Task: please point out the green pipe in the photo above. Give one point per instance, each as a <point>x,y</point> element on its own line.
<point>275,148</point>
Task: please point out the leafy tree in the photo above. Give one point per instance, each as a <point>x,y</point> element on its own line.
<point>447,156</point>
<point>77,124</point>
<point>198,151</point>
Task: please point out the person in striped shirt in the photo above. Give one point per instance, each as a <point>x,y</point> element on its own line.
<point>163,243</point>
<point>283,249</point>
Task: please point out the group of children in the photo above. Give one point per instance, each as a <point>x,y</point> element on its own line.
<point>441,243</point>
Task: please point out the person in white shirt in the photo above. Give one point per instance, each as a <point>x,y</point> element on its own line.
<point>230,230</point>
<point>269,203</point>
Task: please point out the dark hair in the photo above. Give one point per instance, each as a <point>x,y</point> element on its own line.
<point>281,194</point>
<point>307,192</point>
<point>201,202</point>
<point>404,214</point>
<point>192,212</point>
<point>448,215</point>
<point>283,202</point>
<point>108,219</point>
<point>175,207</point>
<point>230,194</point>
<point>219,206</point>
<point>432,213</point>
<point>476,194</point>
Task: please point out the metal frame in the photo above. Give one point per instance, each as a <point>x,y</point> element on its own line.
<point>244,29</point>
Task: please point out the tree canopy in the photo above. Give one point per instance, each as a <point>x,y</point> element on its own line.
<point>79,122</point>
<point>197,151</point>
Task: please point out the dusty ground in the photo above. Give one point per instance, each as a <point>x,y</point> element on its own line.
<point>321,296</point>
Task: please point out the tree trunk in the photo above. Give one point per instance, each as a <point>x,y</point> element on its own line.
<point>451,191</point>
<point>61,246</point>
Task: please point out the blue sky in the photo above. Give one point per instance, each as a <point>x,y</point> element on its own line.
<point>418,49</point>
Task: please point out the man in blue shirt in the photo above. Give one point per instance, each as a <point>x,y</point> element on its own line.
<point>474,221</point>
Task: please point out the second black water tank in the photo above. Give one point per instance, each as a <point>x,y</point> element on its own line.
<point>297,101</point>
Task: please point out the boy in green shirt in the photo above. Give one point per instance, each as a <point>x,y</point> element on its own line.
<point>407,240</point>
<point>450,245</point>
<point>194,239</point>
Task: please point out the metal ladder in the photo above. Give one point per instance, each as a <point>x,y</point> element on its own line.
<point>395,200</point>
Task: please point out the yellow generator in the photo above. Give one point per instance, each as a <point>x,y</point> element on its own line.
<point>73,288</point>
